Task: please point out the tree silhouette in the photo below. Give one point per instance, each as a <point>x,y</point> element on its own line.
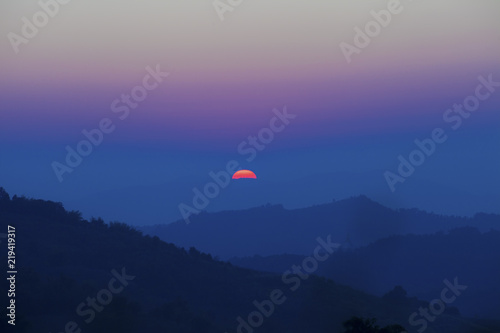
<point>4,196</point>
<point>4,199</point>
<point>393,329</point>
<point>361,325</point>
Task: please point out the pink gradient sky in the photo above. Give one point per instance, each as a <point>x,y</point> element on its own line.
<point>227,76</point>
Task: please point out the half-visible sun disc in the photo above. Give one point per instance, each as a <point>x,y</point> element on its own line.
<point>244,174</point>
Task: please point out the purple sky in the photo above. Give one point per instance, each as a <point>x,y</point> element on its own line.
<point>225,79</point>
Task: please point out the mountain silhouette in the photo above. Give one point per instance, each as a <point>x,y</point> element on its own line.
<point>65,260</point>
<point>272,229</point>
<point>419,263</point>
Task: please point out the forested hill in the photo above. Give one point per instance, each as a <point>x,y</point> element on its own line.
<point>141,284</point>
<point>353,222</point>
<point>419,263</point>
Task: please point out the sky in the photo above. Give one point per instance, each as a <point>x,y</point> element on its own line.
<point>225,79</point>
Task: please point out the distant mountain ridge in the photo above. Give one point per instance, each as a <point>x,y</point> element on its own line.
<point>418,263</point>
<point>64,259</point>
<point>159,203</point>
<point>272,229</point>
